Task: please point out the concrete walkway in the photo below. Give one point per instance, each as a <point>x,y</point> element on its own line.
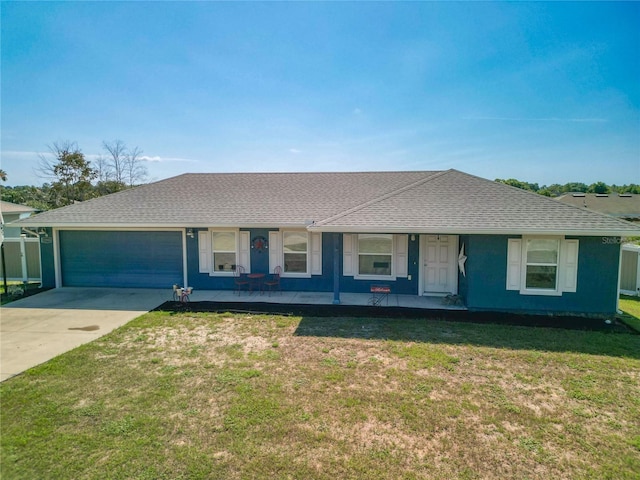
<point>37,328</point>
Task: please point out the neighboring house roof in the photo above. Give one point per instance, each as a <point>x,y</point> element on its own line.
<point>626,206</point>
<point>8,207</point>
<point>437,202</point>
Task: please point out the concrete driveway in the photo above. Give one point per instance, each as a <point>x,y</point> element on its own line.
<point>37,328</point>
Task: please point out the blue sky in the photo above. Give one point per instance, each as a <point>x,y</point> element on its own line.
<point>542,92</point>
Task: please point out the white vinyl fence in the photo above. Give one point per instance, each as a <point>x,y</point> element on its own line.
<point>22,257</point>
<point>630,270</point>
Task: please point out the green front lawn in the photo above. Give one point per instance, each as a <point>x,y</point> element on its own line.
<point>631,311</point>
<point>207,396</point>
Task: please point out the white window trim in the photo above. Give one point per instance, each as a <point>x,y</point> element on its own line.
<point>566,274</point>
<point>356,259</point>
<point>306,274</point>
<point>216,273</point>
<point>523,272</point>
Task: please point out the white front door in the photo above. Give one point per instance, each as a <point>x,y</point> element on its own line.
<point>439,271</point>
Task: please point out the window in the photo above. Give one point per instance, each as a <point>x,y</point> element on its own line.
<point>224,251</point>
<point>297,252</point>
<point>375,254</point>
<point>294,249</point>
<point>541,267</point>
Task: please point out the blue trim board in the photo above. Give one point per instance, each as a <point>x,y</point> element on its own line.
<point>48,270</point>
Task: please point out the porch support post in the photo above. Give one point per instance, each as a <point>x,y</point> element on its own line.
<point>336,269</point>
<point>185,263</point>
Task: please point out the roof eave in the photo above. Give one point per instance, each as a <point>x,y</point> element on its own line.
<point>114,225</point>
<point>33,223</point>
<point>477,231</point>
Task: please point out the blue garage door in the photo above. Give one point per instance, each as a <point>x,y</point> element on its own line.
<point>120,259</point>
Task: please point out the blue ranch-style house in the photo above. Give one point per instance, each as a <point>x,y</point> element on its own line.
<point>424,233</point>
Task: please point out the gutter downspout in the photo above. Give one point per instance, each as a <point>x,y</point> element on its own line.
<point>35,234</point>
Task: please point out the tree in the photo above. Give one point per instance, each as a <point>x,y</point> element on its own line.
<point>70,171</point>
<point>533,187</point>
<point>574,187</point>
<point>135,169</point>
<point>122,165</point>
<point>3,175</point>
<point>117,151</point>
<point>36,197</point>
<point>631,188</point>
<point>598,187</point>
<point>553,190</point>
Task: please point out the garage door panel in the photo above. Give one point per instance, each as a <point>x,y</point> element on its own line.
<point>120,259</point>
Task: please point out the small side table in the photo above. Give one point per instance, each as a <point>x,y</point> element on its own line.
<point>255,281</point>
<point>379,293</point>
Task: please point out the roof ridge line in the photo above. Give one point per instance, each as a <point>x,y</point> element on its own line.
<point>382,197</point>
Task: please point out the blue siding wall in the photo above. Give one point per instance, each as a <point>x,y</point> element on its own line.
<point>317,283</point>
<point>485,285</point>
<point>402,286</point>
<point>260,264</point>
<point>120,258</point>
<point>46,257</point>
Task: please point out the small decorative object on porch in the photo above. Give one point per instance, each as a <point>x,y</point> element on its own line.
<point>379,293</point>
<point>453,300</point>
<point>259,244</point>
<point>181,294</point>
<point>462,258</point>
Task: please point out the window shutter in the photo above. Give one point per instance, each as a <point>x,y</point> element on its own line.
<point>514,263</point>
<point>244,252</point>
<point>316,253</point>
<point>204,251</point>
<point>569,266</point>
<point>348,255</point>
<point>275,250</point>
<point>402,255</point>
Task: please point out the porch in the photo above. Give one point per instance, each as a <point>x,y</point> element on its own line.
<point>322,298</point>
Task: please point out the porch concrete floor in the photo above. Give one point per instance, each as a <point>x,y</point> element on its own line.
<point>321,298</point>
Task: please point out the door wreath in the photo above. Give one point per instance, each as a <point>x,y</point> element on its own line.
<point>259,244</point>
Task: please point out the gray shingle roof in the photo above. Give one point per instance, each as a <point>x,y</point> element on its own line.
<point>456,202</point>
<point>8,207</point>
<point>625,206</point>
<point>438,202</point>
<point>237,199</point>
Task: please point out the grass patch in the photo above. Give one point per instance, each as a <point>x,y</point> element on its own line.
<point>630,307</point>
<point>199,396</point>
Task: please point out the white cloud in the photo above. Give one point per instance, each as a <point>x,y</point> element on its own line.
<point>295,151</point>
<point>159,159</point>
<point>16,153</point>
<point>146,158</point>
<point>540,119</point>
<point>357,111</point>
